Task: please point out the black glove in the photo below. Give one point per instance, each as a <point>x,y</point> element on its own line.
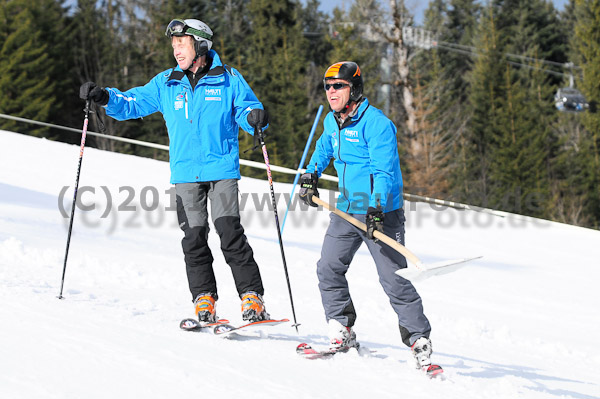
<point>258,118</point>
<point>374,221</point>
<point>89,91</point>
<point>308,188</point>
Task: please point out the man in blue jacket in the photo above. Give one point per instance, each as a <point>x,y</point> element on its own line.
<point>362,141</point>
<point>203,102</point>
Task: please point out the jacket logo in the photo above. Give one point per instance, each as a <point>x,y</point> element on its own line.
<point>212,94</point>
<point>179,101</point>
<point>351,135</point>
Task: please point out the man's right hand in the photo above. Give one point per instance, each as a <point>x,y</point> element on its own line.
<point>308,188</point>
<point>89,91</point>
<point>258,118</point>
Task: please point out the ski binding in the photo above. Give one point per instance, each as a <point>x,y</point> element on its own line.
<point>195,325</point>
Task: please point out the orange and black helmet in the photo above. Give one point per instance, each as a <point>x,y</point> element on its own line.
<point>350,72</point>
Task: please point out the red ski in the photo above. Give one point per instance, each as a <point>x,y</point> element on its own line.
<point>308,352</point>
<point>224,329</point>
<point>433,371</point>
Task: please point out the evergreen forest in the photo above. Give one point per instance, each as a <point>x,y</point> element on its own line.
<point>471,88</point>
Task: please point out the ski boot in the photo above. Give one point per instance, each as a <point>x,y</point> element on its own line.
<point>341,338</point>
<point>205,308</point>
<point>422,350</point>
<point>253,307</point>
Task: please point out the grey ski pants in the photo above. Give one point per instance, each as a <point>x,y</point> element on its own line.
<point>341,242</point>
<point>192,213</point>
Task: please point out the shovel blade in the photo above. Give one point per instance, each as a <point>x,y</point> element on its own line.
<point>426,271</point>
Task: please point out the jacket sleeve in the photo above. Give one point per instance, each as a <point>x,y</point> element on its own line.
<point>322,155</point>
<point>383,150</point>
<point>134,103</point>
<point>244,101</point>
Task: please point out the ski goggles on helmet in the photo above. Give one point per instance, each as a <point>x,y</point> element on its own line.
<point>178,27</point>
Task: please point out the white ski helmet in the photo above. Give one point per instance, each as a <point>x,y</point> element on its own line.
<point>201,33</point>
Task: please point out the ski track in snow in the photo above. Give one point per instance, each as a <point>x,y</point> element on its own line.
<point>521,322</point>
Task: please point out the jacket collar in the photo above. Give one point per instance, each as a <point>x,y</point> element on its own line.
<point>363,104</point>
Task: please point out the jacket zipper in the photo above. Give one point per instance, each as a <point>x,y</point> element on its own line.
<point>186,105</point>
<point>344,173</point>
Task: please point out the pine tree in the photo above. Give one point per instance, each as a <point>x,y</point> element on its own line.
<point>523,146</point>
<point>587,49</point>
<point>147,52</point>
<point>486,91</point>
<point>518,181</point>
<point>350,41</point>
<point>51,18</point>
<point>445,71</point>
<point>27,69</point>
<point>231,24</point>
<point>459,29</point>
<point>443,74</point>
<point>97,50</point>
<point>275,68</point>
<point>316,30</point>
<point>569,163</point>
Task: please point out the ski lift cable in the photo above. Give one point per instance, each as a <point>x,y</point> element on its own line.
<point>565,101</point>
<point>560,74</point>
<point>456,50</point>
<point>522,57</point>
<point>468,50</point>
<point>531,59</point>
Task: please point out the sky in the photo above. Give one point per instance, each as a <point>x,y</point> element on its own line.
<point>416,6</point>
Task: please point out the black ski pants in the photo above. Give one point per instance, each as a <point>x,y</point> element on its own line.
<point>192,213</point>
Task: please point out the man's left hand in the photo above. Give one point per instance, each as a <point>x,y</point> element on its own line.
<point>374,221</point>
<point>308,188</point>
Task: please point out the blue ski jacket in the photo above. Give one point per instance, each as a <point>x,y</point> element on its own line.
<point>203,123</point>
<point>365,153</point>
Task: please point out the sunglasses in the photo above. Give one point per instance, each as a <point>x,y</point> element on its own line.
<point>336,86</point>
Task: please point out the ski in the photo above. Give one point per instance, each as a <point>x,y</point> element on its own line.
<point>195,325</point>
<point>308,352</point>
<point>225,329</point>
<point>433,371</point>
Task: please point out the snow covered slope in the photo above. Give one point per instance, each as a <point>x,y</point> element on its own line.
<point>522,322</point>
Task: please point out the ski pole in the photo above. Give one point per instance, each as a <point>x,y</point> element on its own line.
<point>301,165</point>
<point>258,134</point>
<point>83,135</point>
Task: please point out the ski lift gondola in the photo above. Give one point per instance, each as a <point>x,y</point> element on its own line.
<point>569,99</point>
